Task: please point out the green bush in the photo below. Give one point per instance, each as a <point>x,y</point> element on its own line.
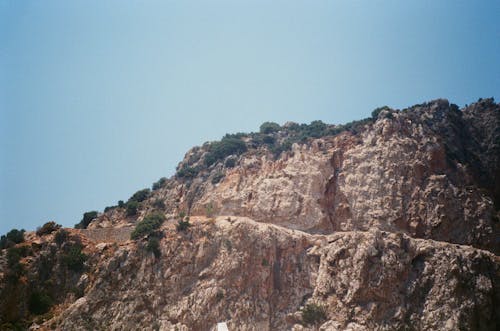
<point>296,133</point>
<point>187,172</point>
<point>285,146</point>
<point>377,111</point>
<point>228,244</point>
<point>48,228</point>
<point>454,108</point>
<point>219,150</point>
<point>153,246</point>
<point>209,210</point>
<point>148,225</point>
<point>159,204</point>
<point>292,126</point>
<point>219,296</point>
<point>159,184</point>
<point>14,255</point>
<point>87,218</point>
<point>316,129</point>
<point>15,268</point>
<point>140,195</point>
<point>237,135</point>
<point>12,237</point>
<point>132,207</point>
<point>13,326</point>
<point>74,258</point>
<point>39,303</point>
<point>45,269</point>
<point>313,314</point>
<point>268,140</point>
<point>61,236</point>
<point>269,127</point>
<point>109,208</point>
<point>217,177</point>
<point>121,204</point>
<point>356,126</point>
<point>230,163</point>
<point>183,225</point>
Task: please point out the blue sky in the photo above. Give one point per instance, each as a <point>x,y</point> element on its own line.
<point>100,98</point>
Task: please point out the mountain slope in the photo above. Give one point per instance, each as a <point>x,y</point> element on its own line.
<point>387,223</point>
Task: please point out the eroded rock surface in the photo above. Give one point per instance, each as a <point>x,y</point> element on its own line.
<point>247,273</point>
<point>258,276</point>
<point>406,174</point>
<point>380,280</point>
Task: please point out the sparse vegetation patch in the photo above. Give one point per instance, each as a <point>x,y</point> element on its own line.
<point>140,195</point>
<point>132,208</point>
<point>153,246</point>
<point>159,184</point>
<point>87,218</point>
<point>39,303</point>
<point>74,258</point>
<point>183,222</point>
<point>313,314</point>
<point>229,145</point>
<point>12,237</point>
<point>48,228</point>
<point>148,225</point>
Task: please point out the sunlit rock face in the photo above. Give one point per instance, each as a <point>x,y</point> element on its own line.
<point>430,171</point>
<point>257,276</point>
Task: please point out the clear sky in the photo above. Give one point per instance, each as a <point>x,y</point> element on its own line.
<point>101,98</point>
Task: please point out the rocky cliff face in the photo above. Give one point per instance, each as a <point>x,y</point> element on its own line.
<point>257,276</point>
<point>417,172</point>
<point>391,223</point>
<point>431,171</point>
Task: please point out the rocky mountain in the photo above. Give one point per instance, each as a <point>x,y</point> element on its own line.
<point>388,223</point>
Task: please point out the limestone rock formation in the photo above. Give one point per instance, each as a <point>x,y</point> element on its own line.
<point>431,171</point>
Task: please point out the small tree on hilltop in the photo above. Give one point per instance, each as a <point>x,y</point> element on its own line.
<point>269,127</point>
<point>12,237</point>
<point>87,218</point>
<point>48,228</point>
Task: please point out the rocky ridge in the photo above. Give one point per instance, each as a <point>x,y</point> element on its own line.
<point>391,223</point>
<point>431,171</point>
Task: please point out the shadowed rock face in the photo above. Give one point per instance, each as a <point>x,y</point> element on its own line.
<point>416,172</point>
<point>391,226</point>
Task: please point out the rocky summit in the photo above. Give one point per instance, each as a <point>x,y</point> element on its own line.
<point>387,223</point>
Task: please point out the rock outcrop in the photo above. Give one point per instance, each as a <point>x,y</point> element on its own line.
<point>414,172</point>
